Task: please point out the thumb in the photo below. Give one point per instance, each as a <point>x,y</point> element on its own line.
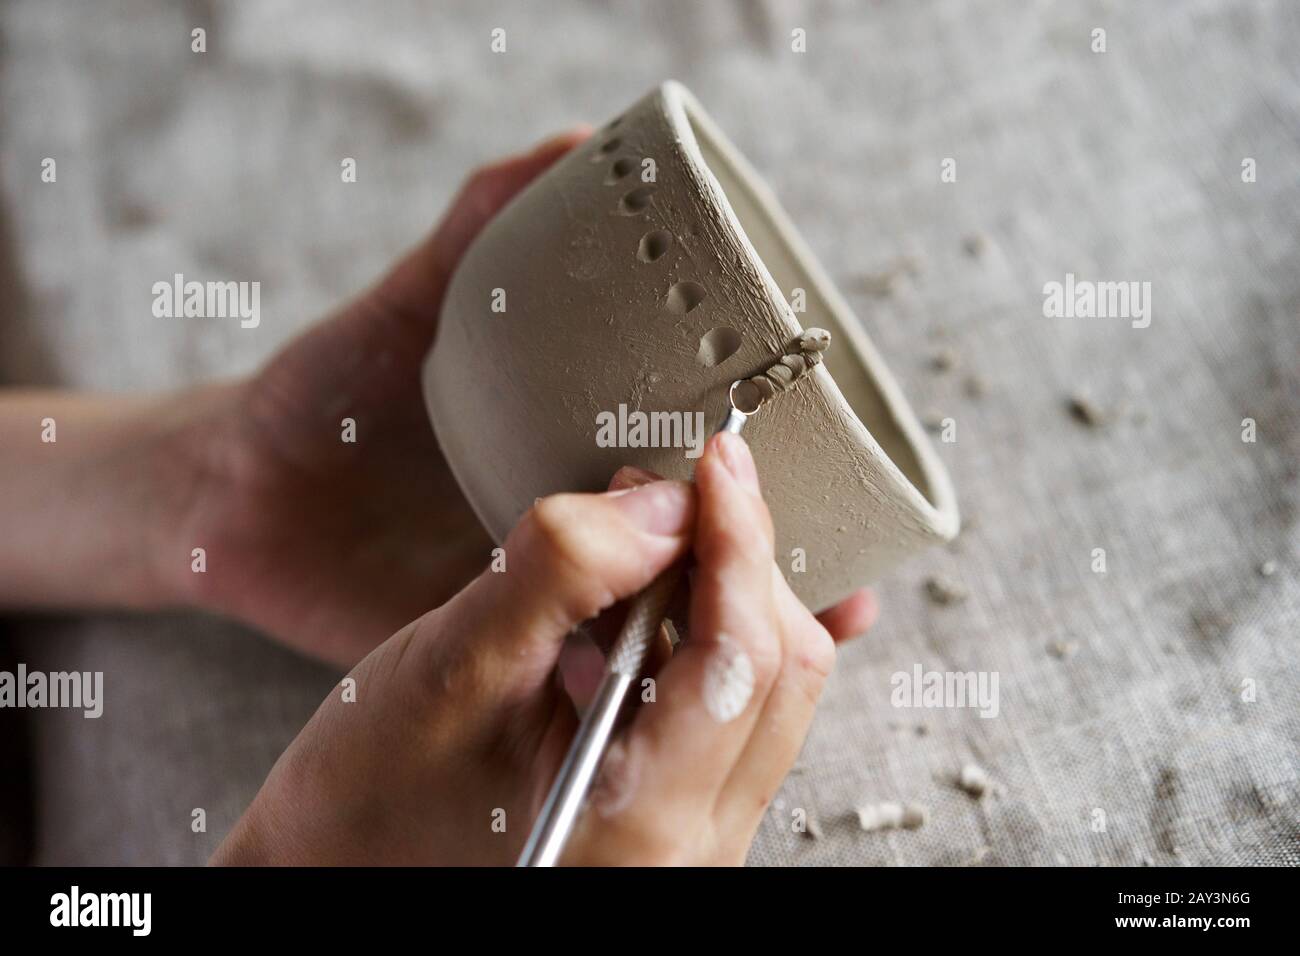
<point>568,559</point>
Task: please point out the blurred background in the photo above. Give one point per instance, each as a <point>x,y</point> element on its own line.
<point>1120,691</point>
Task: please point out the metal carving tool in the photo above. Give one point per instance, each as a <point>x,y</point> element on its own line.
<point>565,800</point>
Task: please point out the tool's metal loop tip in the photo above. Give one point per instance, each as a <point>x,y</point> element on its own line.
<point>743,400</point>
<point>744,397</point>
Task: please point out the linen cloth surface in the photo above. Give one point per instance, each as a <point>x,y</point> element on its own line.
<point>1123,693</point>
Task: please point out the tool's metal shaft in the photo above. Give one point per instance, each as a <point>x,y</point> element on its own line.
<point>564,802</point>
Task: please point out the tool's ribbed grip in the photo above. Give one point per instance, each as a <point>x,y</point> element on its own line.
<point>647,612</point>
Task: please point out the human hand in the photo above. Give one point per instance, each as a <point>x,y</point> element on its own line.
<point>459,721</point>
<point>326,545</point>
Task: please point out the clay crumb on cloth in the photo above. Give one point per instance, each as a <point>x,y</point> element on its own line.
<point>1267,569</point>
<point>891,816</point>
<point>933,419</point>
<point>1088,412</point>
<point>944,360</point>
<point>1062,650</point>
<point>974,780</point>
<point>944,592</point>
<point>887,281</point>
<point>812,827</point>
<point>920,729</point>
<point>978,857</point>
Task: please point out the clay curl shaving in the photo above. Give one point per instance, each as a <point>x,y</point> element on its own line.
<point>788,370</point>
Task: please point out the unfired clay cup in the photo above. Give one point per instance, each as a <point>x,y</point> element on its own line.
<point>605,283</point>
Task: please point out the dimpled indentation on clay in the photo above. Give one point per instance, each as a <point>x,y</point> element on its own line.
<point>718,345</point>
<point>684,296</point>
<point>654,244</point>
<point>621,168</point>
<point>602,152</point>
<point>636,201</point>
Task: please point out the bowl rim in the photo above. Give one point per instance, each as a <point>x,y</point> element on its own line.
<point>690,122</point>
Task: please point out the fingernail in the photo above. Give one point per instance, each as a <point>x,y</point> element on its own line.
<point>630,476</point>
<point>736,456</point>
<point>663,507</point>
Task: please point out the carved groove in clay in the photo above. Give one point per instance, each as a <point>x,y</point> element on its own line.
<point>718,345</point>
<point>636,201</point>
<point>606,148</point>
<point>620,169</point>
<point>684,296</point>
<point>654,244</point>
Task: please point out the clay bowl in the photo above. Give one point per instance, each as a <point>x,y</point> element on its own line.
<point>596,288</point>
